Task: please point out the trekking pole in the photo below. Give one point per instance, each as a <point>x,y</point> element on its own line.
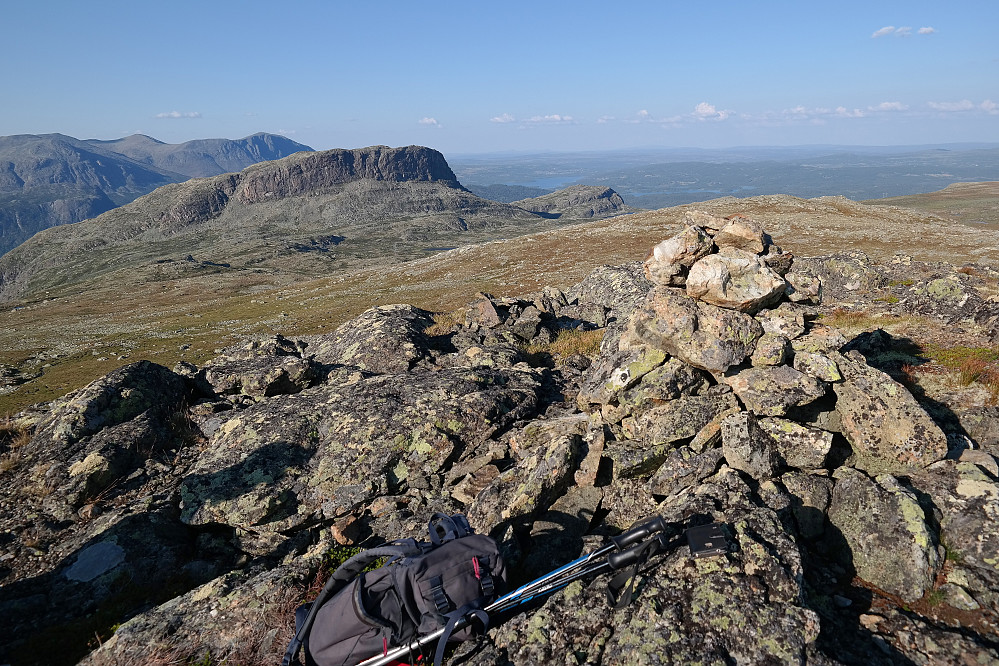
<point>602,559</point>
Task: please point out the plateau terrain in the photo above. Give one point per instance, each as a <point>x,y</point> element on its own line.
<point>215,392</point>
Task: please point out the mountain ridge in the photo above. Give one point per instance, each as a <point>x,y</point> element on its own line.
<point>285,217</point>
<point>53,179</point>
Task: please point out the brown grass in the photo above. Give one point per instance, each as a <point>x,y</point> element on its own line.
<point>971,370</point>
<point>12,438</point>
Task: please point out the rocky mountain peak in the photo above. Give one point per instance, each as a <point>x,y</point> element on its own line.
<point>175,513</point>
<point>319,171</point>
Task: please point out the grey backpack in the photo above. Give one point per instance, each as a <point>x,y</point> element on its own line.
<point>422,587</point>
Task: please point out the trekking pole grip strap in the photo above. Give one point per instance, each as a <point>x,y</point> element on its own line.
<point>639,533</point>
<point>636,554</point>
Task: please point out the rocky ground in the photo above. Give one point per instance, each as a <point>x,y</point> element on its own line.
<point>839,416</point>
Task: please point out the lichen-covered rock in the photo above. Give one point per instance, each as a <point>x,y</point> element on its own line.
<point>747,447</point>
<point>546,461</point>
<point>881,533</point>
<point>816,365</point>
<point>703,335</point>
<point>771,350</point>
<point>241,616</point>
<point>385,339</point>
<point>115,398</point>
<point>810,497</point>
<point>684,468</point>
<point>742,233</point>
<point>786,319</point>
<point>260,377</point>
<point>772,391</point>
<point>800,446</point>
<point>684,610</point>
<point>678,419</point>
<point>666,382</point>
<point>735,279</point>
<point>619,289</point>
<point>616,372</point>
<point>982,426</point>
<point>327,449</point>
<point>669,261</point>
<point>803,288</point>
<point>968,502</point>
<point>887,429</point>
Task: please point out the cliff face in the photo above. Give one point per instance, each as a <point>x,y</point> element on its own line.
<point>175,513</point>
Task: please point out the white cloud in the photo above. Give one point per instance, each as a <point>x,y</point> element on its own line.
<point>989,107</point>
<point>430,122</point>
<point>605,119</point>
<point>504,118</point>
<point>705,111</point>
<point>889,106</point>
<point>178,114</point>
<point>904,31</point>
<point>552,119</point>
<point>644,114</point>
<point>844,112</point>
<point>963,105</point>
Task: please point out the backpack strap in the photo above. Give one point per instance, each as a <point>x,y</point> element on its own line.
<point>345,573</point>
<point>444,528</point>
<point>452,620</point>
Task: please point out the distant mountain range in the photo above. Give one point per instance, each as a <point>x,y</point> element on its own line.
<point>53,179</point>
<point>307,215</point>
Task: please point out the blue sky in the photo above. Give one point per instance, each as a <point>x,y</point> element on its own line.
<point>471,77</point>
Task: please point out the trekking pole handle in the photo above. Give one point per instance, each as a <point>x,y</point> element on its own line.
<point>639,533</point>
<point>637,553</point>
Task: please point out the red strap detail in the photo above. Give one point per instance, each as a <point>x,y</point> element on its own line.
<point>385,645</point>
<point>475,565</point>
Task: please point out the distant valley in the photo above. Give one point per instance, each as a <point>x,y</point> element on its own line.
<point>53,179</point>
<point>653,179</point>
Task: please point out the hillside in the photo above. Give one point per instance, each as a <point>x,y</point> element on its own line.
<point>835,415</point>
<point>52,179</point>
<point>577,201</point>
<point>308,215</point>
<point>970,203</point>
<point>62,340</point>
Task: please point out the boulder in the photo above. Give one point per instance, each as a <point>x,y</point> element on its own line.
<point>748,448</point>
<point>967,500</point>
<point>802,288</point>
<point>817,365</point>
<point>328,449</point>
<point>800,446</point>
<point>677,419</point>
<point>385,339</point>
<point>880,532</point>
<point>771,350</point>
<point>735,279</point>
<point>888,430</point>
<point>669,261</point>
<point>742,233</point>
<point>616,372</point>
<point>703,335</point>
<point>810,497</point>
<point>772,391</point>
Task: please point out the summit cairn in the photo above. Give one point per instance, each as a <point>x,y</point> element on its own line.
<point>727,305</point>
